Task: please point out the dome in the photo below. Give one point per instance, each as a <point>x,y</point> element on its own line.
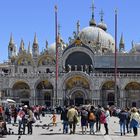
<point>102,25</point>
<point>89,36</point>
<point>135,48</point>
<point>52,48</point>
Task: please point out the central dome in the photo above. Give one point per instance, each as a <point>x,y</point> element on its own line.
<point>91,34</point>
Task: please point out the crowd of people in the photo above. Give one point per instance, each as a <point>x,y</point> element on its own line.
<point>93,117</point>
<point>89,117</point>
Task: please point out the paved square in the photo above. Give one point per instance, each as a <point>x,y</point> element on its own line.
<point>55,133</point>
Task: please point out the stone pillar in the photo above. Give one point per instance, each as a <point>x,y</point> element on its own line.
<point>82,68</point>
<point>69,68</point>
<point>33,97</point>
<point>75,67</point>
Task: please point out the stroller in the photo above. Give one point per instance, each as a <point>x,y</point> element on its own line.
<point>3,128</point>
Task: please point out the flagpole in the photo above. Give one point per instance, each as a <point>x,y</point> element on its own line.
<point>56,42</point>
<point>115,75</point>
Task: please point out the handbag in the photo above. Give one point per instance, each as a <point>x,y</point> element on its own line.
<point>75,119</point>
<point>19,118</point>
<point>33,120</point>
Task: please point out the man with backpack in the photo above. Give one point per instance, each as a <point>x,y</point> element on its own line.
<point>84,120</point>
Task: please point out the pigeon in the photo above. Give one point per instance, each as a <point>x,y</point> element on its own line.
<point>51,129</point>
<point>19,137</point>
<point>43,127</point>
<point>12,133</point>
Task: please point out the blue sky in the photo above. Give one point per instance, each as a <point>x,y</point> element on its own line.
<point>25,17</point>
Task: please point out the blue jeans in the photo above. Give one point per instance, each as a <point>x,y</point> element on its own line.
<point>65,126</point>
<point>91,125</point>
<point>122,127</point>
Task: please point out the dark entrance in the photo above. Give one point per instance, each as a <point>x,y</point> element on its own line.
<point>78,98</point>
<point>134,104</point>
<point>25,103</point>
<point>110,99</point>
<point>47,99</point>
<point>79,101</point>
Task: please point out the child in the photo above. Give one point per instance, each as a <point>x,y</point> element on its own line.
<point>54,119</point>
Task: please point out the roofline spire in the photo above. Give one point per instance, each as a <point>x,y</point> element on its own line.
<point>78,27</point>
<point>122,39</point>
<point>35,39</point>
<point>29,48</point>
<point>11,39</point>
<point>22,45</point>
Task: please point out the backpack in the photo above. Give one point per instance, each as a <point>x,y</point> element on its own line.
<point>92,116</point>
<point>84,114</point>
<point>102,118</point>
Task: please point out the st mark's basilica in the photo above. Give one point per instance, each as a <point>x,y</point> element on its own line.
<point>85,70</point>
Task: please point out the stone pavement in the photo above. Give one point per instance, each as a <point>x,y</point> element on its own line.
<point>55,133</point>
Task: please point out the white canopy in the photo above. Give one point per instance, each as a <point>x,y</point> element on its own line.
<point>10,101</point>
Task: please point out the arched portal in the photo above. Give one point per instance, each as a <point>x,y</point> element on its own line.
<point>132,94</point>
<point>108,93</point>
<point>77,98</point>
<point>44,93</point>
<point>21,92</point>
<point>77,91</point>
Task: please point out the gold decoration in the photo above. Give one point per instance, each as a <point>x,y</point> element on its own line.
<point>77,42</point>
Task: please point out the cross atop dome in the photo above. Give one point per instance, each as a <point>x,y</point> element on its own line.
<point>92,21</point>
<point>102,15</point>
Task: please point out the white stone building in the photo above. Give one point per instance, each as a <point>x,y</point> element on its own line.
<point>86,71</point>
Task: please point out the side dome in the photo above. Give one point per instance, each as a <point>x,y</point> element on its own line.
<point>102,25</point>
<point>52,48</point>
<point>135,48</point>
<point>91,34</point>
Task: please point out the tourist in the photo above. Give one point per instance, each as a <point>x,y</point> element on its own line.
<point>20,117</point>
<point>98,123</point>
<point>92,119</point>
<point>134,120</point>
<point>30,121</point>
<point>84,120</point>
<point>64,118</point>
<point>54,119</point>
<point>123,118</point>
<point>72,119</point>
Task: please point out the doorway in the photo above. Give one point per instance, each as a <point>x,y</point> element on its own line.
<point>79,101</point>
<point>110,99</point>
<point>134,104</point>
<point>78,98</point>
<point>47,99</point>
<point>25,102</point>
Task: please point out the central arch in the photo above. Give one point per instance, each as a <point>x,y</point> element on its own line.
<point>77,89</point>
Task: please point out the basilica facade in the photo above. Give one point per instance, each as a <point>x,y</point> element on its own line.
<point>86,71</point>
